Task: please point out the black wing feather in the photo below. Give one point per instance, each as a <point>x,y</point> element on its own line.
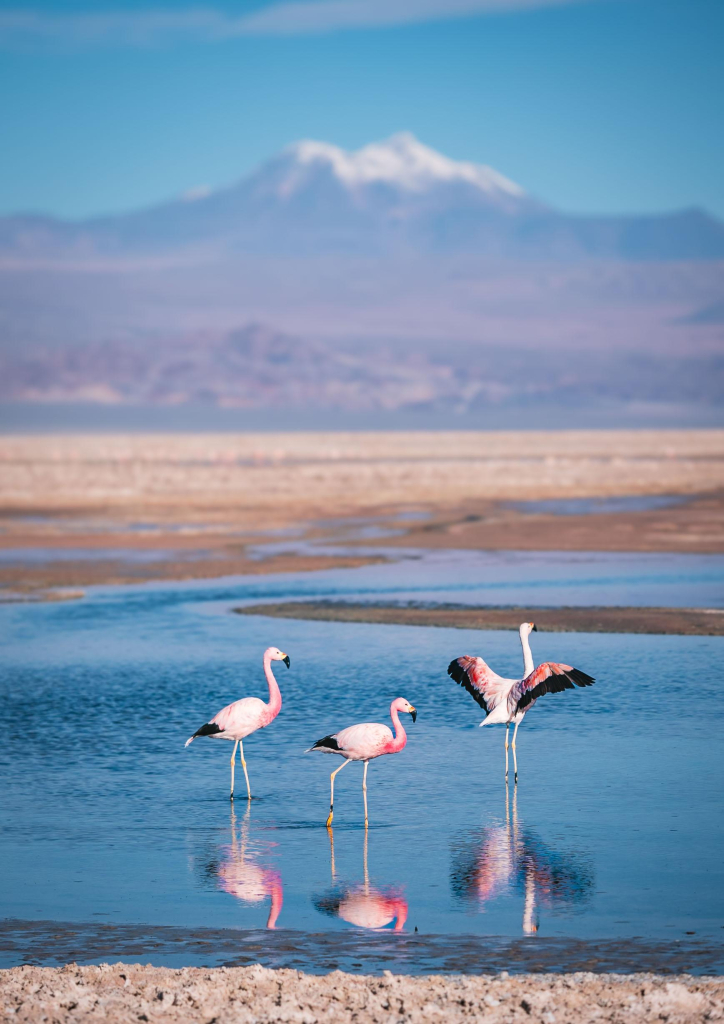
<point>555,684</point>
<point>326,742</point>
<point>458,673</point>
<point>209,729</point>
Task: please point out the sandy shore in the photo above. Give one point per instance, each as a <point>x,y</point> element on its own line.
<point>121,993</point>
<point>682,621</point>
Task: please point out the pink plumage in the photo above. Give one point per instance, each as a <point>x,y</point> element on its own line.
<point>364,742</point>
<point>241,718</point>
<point>507,700</point>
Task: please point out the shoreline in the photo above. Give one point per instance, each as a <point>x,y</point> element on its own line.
<point>579,619</point>
<point>52,944</point>
<point>131,992</point>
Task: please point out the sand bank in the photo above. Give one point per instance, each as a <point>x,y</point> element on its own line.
<point>682,621</point>
<point>121,993</point>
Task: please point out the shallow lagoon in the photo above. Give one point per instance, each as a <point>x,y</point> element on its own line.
<point>616,830</point>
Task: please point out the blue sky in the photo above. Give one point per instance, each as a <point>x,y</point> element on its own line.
<point>593,105</point>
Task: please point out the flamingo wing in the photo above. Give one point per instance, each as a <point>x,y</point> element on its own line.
<point>369,739</point>
<point>247,713</point>
<point>483,685</point>
<point>550,677</point>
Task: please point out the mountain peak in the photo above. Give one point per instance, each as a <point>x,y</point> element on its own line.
<point>401,160</point>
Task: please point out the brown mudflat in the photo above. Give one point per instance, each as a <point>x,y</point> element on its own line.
<point>695,526</point>
<point>121,993</point>
<point>200,501</point>
<point>682,621</point>
<point>60,580</point>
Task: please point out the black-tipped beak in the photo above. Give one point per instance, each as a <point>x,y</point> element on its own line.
<point>413,714</point>
<point>286,660</point>
<point>535,628</point>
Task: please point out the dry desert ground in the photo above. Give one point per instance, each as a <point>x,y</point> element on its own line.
<point>123,993</point>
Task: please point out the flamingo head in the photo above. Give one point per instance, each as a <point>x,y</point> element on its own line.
<point>404,705</point>
<point>274,654</point>
<point>526,628</point>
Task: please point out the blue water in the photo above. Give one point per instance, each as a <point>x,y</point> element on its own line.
<point>593,506</point>
<point>615,831</point>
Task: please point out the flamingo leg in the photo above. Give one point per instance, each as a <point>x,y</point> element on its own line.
<point>507,726</point>
<point>364,788</point>
<point>233,759</point>
<point>331,797</point>
<point>365,864</point>
<point>243,765</point>
<point>515,760</point>
<point>330,833</point>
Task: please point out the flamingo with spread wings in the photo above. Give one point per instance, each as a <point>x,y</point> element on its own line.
<point>508,700</point>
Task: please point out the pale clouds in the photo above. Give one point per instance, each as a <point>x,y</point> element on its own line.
<point>162,26</point>
<point>312,16</point>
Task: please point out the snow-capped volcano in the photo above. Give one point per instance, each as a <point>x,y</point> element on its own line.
<point>387,198</point>
<point>400,161</point>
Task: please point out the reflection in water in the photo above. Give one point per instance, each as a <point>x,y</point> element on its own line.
<point>240,876</point>
<point>363,905</point>
<point>509,858</point>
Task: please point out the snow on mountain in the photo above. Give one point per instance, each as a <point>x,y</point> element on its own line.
<point>387,198</point>
<point>401,161</point>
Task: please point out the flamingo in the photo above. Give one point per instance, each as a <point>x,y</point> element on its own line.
<point>238,720</point>
<point>507,700</point>
<point>363,743</point>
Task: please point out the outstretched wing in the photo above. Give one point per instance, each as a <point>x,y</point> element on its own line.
<point>550,677</point>
<point>483,685</point>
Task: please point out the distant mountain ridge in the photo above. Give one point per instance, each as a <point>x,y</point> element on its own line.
<point>389,197</point>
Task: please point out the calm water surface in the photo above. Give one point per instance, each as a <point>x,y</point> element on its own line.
<point>615,831</point>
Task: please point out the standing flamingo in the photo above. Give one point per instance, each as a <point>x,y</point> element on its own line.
<point>238,720</point>
<point>363,743</point>
<point>507,700</point>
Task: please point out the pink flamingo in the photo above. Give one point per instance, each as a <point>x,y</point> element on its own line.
<point>363,743</point>
<point>238,720</point>
<point>507,700</point>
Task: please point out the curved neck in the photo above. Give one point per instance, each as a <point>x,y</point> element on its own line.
<point>275,696</point>
<point>400,735</point>
<point>528,665</point>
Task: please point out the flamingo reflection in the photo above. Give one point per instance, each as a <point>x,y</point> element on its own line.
<point>364,906</point>
<point>240,876</point>
<point>508,858</point>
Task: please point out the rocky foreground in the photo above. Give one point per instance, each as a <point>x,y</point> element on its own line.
<point>124,992</point>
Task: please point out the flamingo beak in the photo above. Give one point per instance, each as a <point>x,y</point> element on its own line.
<point>413,714</point>
<point>535,628</point>
<point>286,660</point>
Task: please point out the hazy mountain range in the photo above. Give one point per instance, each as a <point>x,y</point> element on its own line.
<point>388,278</point>
<point>388,197</point>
